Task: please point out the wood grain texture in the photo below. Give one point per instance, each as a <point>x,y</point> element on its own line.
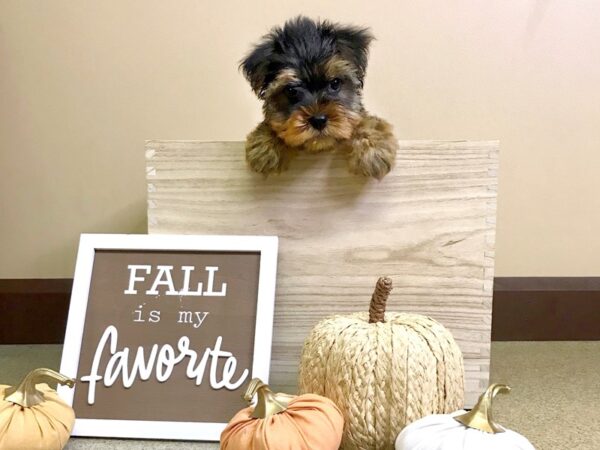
<point>430,225</point>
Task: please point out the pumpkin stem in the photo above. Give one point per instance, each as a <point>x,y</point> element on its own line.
<point>480,417</point>
<point>268,402</point>
<point>26,394</point>
<point>379,299</point>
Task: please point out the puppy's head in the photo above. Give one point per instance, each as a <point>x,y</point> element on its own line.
<point>310,76</point>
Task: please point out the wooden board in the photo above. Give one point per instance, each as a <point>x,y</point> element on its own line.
<point>430,225</point>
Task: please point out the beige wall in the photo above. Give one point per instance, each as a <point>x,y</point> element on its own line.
<point>83,84</point>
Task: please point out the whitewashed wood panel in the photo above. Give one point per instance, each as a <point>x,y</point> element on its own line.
<point>430,225</point>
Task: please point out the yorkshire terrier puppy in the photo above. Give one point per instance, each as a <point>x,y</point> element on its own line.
<point>310,77</point>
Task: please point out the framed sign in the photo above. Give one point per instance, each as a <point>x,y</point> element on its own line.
<point>165,331</point>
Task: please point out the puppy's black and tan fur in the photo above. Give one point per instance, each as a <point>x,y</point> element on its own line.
<point>310,77</point>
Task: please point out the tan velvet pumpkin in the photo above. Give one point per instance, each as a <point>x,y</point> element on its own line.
<point>32,416</point>
<point>284,422</point>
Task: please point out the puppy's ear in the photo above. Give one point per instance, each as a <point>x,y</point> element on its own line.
<point>256,65</point>
<point>353,45</point>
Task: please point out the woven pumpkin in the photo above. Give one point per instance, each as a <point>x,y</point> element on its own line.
<point>461,430</point>
<point>383,371</point>
<point>32,416</point>
<point>283,422</point>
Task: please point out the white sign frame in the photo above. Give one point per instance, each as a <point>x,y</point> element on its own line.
<point>88,244</point>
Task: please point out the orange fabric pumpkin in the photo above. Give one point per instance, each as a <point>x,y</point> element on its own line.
<point>32,415</point>
<point>284,422</point>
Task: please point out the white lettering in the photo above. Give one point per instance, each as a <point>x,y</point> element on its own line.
<point>200,316</point>
<point>163,271</point>
<point>133,268</point>
<point>185,290</point>
<point>111,334</point>
<point>164,277</point>
<point>211,280</point>
<point>161,361</point>
<point>195,318</point>
<point>185,317</point>
<point>227,372</point>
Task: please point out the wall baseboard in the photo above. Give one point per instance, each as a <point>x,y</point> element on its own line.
<point>546,309</point>
<point>34,311</point>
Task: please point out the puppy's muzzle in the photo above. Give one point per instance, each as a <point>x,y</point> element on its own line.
<point>318,121</point>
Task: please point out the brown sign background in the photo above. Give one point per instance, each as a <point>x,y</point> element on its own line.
<point>179,398</point>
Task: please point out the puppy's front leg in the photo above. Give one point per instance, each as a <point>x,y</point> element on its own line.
<point>265,152</point>
<point>373,148</point>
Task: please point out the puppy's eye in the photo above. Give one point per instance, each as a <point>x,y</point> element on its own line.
<point>335,84</point>
<point>293,94</point>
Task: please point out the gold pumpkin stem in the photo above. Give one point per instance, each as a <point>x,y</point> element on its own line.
<point>480,417</point>
<point>379,299</point>
<point>26,394</point>
<point>268,402</point>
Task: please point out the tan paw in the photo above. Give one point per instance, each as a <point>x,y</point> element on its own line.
<point>263,159</point>
<point>371,161</point>
<point>264,152</point>
<point>373,148</point>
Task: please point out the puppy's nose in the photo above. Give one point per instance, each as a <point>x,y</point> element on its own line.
<point>319,121</point>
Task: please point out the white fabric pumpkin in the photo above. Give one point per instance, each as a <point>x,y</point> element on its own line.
<point>474,430</point>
